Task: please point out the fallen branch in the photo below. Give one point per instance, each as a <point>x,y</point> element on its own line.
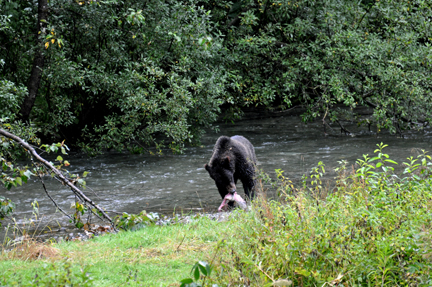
<point>58,174</point>
<point>347,132</point>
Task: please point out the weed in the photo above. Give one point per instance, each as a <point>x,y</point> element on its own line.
<point>6,208</point>
<point>128,221</point>
<point>25,245</point>
<point>372,228</point>
<point>200,269</point>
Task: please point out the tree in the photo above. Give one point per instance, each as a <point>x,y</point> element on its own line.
<point>135,74</point>
<point>119,74</point>
<point>328,56</point>
<point>38,61</point>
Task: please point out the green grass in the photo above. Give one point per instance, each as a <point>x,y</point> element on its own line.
<point>152,256</point>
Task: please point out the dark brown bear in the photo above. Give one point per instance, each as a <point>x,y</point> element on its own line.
<point>233,159</point>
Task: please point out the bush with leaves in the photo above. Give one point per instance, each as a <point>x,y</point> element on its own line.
<point>201,270</point>
<point>372,228</point>
<point>12,175</point>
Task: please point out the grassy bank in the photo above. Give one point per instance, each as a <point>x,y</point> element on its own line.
<point>153,256</point>
<point>372,226</point>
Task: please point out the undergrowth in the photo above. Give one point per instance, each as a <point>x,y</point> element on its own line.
<point>372,228</point>
<point>53,274</point>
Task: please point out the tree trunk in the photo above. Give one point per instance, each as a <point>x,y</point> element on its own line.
<point>38,62</point>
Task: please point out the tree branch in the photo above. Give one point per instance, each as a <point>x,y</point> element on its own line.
<point>49,196</point>
<point>347,132</point>
<point>58,174</point>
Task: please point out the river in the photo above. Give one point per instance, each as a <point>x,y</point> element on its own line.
<point>123,182</point>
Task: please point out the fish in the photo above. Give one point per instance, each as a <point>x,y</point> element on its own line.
<point>230,197</point>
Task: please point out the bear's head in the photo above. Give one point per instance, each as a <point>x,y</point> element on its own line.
<point>222,172</point>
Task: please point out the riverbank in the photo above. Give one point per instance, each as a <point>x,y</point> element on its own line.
<point>370,227</point>
<point>362,234</point>
<point>159,255</point>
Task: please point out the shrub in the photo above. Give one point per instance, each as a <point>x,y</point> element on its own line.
<point>372,228</point>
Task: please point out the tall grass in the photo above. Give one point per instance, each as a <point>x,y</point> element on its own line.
<point>372,228</point>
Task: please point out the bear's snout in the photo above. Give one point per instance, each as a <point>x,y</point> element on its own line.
<point>231,188</point>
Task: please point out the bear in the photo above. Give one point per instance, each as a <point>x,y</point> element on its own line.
<point>233,158</point>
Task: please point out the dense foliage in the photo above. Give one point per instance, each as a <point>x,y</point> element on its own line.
<point>134,74</point>
<point>330,55</point>
<point>371,229</point>
<point>116,73</point>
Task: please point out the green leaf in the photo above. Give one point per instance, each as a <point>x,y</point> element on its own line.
<point>196,272</point>
<point>373,159</point>
<point>28,173</point>
<point>202,266</point>
<point>209,269</point>
<point>303,272</point>
<point>186,281</point>
<point>79,225</point>
<point>18,180</point>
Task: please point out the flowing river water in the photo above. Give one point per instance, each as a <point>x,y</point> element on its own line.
<point>123,182</point>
